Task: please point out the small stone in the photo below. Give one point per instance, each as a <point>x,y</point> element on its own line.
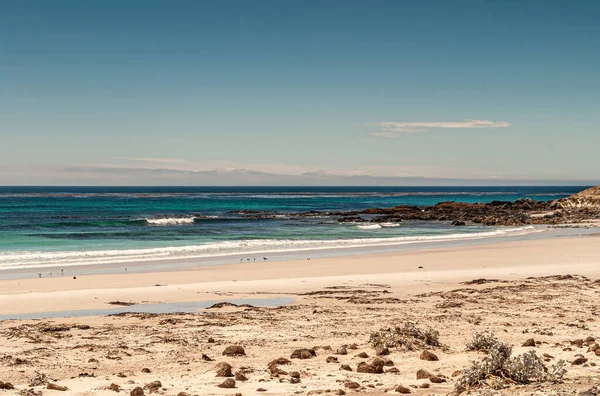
<point>146,370</point>
<point>429,356</point>
<point>92,360</point>
<point>7,386</point>
<point>295,374</point>
<point>153,386</point>
<point>529,343</point>
<point>423,374</point>
<point>579,361</point>
<point>369,368</point>
<point>332,359</point>
<point>424,385</point>
<point>239,376</point>
<point>206,358</point>
<point>261,390</point>
<point>303,353</point>
<point>341,351</point>
<point>234,350</point>
<point>294,380</point>
<point>457,373</point>
<point>114,387</point>
<point>382,351</point>
<point>402,389</point>
<point>362,355</point>
<point>224,369</point>
<point>211,340</point>
<point>393,370</point>
<point>345,367</point>
<point>436,379</point>
<point>183,394</point>
<point>352,385</point>
<point>227,384</point>
<point>137,392</point>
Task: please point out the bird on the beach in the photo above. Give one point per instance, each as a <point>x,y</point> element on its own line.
<point>39,274</point>
<point>254,258</point>
<point>264,258</point>
<point>50,274</point>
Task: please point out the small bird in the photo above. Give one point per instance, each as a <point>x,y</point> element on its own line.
<point>264,258</point>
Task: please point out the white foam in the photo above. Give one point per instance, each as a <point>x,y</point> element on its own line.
<point>170,221</point>
<point>15,260</point>
<point>369,226</point>
<point>390,224</point>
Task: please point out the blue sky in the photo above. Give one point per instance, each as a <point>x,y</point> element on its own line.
<point>465,89</point>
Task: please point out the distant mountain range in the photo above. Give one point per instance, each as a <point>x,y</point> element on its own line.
<point>114,176</point>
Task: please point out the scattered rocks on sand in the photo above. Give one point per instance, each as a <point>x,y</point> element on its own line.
<point>224,369</point>
<point>429,356</point>
<point>529,343</point>
<point>303,353</point>
<point>234,350</point>
<point>229,383</point>
<point>402,389</point>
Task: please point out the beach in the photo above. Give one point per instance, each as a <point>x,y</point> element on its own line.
<point>543,289</point>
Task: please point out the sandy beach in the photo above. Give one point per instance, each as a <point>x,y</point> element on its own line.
<point>522,293</point>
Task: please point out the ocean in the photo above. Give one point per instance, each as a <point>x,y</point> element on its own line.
<point>48,227</point>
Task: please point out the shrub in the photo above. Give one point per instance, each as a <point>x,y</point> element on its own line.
<point>482,342</point>
<point>408,336</point>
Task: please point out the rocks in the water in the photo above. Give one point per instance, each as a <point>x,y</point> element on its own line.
<point>303,353</point>
<point>402,389</point>
<point>345,367</point>
<point>137,392</point>
<point>224,369</point>
<point>229,383</point>
<point>529,343</point>
<point>234,350</point>
<point>331,359</point>
<point>240,376</point>
<point>429,356</point>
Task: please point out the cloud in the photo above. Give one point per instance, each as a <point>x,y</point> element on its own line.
<point>159,160</point>
<point>395,129</point>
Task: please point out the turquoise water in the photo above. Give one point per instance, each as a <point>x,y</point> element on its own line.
<point>62,226</point>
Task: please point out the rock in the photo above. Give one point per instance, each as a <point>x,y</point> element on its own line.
<point>294,380</point>
<point>261,390</point>
<point>295,374</point>
<point>331,359</point>
<point>206,358</point>
<point>352,385</point>
<point>229,383</point>
<point>224,369</point>
<point>92,360</point>
<point>153,386</point>
<point>393,370</point>
<point>279,361</point>
<point>303,354</point>
<point>146,370</point>
<point>234,350</point>
<point>589,339</point>
<point>423,374</point>
<point>369,368</point>
<point>458,223</point>
<point>424,385</point>
<point>529,343</point>
<point>211,340</point>
<point>183,394</point>
<point>429,356</point>
<point>341,351</point>
<point>436,379</point>
<point>382,351</point>
<point>345,367</point>
<point>7,386</point>
<point>55,387</point>
<point>121,375</point>
<point>457,373</point>
<point>239,376</point>
<point>137,392</point>
<point>579,361</point>
<point>114,387</point>
<point>402,389</point>
<point>362,355</point>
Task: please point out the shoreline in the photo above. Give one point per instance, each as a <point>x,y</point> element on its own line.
<point>506,260</point>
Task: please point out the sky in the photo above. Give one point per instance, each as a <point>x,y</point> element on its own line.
<point>491,90</point>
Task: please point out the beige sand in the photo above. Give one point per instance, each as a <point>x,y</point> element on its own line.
<point>339,301</point>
